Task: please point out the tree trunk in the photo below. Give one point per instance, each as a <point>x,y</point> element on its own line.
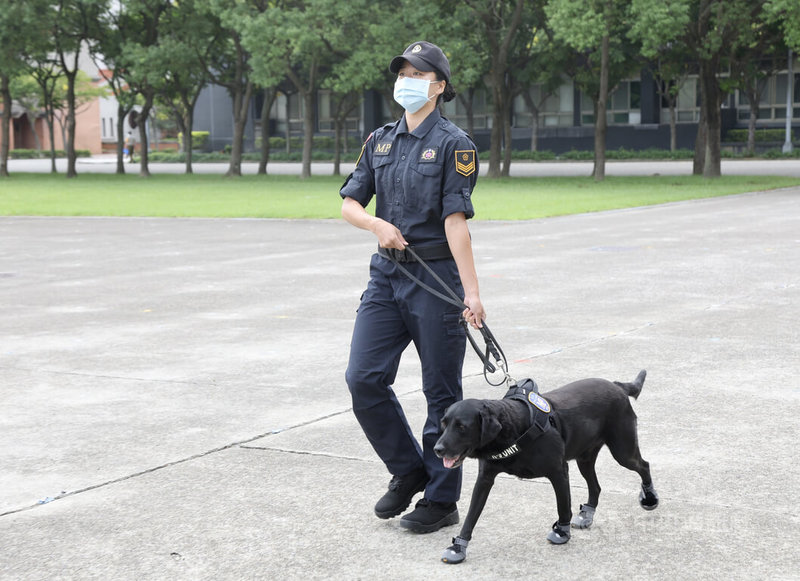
<point>49,116</point>
<point>337,153</point>
<point>753,97</point>
<point>121,114</point>
<point>700,146</point>
<point>710,105</point>
<point>188,123</point>
<point>144,161</point>
<point>269,99</point>
<point>308,132</point>
<point>496,138</point>
<point>70,144</point>
<point>673,124</point>
<point>6,123</point>
<point>600,121</point>
<point>507,139</point>
<point>241,101</point>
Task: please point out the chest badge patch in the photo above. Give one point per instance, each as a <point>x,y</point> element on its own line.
<point>428,155</point>
<point>465,162</point>
<point>539,402</point>
<point>383,148</point>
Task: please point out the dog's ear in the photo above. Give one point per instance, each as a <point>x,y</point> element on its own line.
<point>490,426</point>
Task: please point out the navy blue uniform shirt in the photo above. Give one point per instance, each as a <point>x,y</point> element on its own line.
<point>418,178</point>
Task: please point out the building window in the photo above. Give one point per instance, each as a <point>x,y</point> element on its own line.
<point>327,109</point>
<point>623,107</point>
<point>555,109</point>
<point>456,112</point>
<point>688,106</point>
<point>772,104</point>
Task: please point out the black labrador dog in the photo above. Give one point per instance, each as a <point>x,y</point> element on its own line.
<point>532,436</point>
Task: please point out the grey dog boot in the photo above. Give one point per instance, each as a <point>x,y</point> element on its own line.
<point>584,518</point>
<point>559,534</point>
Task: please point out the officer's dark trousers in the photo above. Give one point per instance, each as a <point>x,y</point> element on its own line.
<point>395,311</point>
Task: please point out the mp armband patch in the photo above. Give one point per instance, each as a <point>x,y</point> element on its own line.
<point>465,162</point>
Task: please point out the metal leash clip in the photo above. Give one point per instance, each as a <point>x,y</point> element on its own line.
<point>492,349</point>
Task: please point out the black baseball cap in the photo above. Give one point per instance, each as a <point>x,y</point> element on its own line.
<point>423,56</point>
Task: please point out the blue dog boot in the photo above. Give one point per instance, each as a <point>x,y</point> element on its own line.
<point>584,518</point>
<point>455,553</point>
<point>648,498</point>
<point>560,534</point>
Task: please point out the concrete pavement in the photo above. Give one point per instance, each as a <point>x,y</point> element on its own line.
<point>174,405</point>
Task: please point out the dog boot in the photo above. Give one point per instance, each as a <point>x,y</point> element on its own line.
<point>648,497</point>
<point>584,518</point>
<point>455,553</point>
<point>560,534</point>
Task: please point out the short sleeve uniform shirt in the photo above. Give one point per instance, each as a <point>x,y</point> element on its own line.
<point>418,178</point>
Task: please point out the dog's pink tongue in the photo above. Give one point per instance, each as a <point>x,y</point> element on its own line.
<point>449,462</point>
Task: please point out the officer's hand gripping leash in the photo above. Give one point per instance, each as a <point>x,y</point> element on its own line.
<point>492,347</point>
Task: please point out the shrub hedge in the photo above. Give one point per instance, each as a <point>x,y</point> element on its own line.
<point>761,135</point>
<point>44,154</point>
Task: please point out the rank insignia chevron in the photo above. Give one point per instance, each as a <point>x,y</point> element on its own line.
<point>465,162</point>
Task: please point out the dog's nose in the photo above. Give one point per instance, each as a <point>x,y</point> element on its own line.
<point>438,449</point>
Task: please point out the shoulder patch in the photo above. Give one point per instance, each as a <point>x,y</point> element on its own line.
<point>363,147</point>
<point>465,162</point>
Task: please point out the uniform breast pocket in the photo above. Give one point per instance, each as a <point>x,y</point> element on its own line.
<point>382,165</point>
<point>425,187</point>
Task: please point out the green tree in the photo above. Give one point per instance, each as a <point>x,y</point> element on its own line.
<point>597,31</point>
<point>20,31</point>
<point>262,36</point>
<point>543,74</point>
<point>230,65</point>
<point>143,61</point>
<point>312,31</point>
<point>786,13</point>
<point>108,52</point>
<point>752,65</point>
<point>503,28</point>
<point>48,77</point>
<point>716,31</point>
<point>355,66</point>
<point>84,92</point>
<point>656,25</point>
<point>187,39</point>
<point>74,24</point>
<point>27,95</point>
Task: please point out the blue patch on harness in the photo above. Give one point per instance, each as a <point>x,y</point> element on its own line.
<point>539,402</point>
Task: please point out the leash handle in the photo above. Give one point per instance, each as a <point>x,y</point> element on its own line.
<point>492,347</point>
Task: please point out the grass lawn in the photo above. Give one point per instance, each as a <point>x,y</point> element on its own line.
<point>168,195</point>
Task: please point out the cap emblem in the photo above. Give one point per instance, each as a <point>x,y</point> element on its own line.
<point>417,48</point>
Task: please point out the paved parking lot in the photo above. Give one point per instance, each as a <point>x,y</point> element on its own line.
<point>174,404</point>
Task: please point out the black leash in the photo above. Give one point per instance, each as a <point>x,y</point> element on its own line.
<point>492,346</point>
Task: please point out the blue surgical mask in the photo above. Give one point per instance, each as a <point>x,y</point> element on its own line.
<point>411,94</point>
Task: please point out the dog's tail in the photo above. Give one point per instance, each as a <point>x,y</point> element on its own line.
<point>634,389</point>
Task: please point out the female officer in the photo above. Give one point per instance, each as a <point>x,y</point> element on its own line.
<point>422,170</point>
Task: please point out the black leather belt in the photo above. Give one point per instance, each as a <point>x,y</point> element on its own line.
<point>432,252</point>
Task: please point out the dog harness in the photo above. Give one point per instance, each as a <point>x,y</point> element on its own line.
<point>539,408</point>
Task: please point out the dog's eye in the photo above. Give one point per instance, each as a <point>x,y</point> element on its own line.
<point>461,427</point>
